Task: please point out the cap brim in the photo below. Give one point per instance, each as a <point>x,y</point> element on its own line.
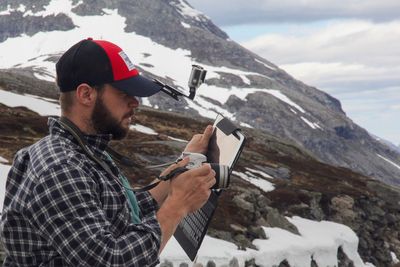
<point>138,86</point>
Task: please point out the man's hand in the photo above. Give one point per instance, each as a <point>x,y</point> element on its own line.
<point>191,189</point>
<point>188,192</point>
<point>199,142</point>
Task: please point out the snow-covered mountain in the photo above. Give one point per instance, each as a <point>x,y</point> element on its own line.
<point>164,38</point>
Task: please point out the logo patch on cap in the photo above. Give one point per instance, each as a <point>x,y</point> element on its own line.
<point>127,61</point>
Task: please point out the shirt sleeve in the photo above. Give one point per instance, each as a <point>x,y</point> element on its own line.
<point>147,204</point>
<point>66,210</point>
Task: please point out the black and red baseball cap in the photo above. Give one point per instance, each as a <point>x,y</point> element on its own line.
<point>97,62</point>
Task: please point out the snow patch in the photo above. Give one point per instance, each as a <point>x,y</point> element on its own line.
<point>145,101</point>
<point>21,8</point>
<point>187,11</point>
<point>142,129</point>
<point>284,98</point>
<point>394,257</point>
<point>222,94</point>
<point>263,174</point>
<point>6,12</point>
<point>319,240</point>
<point>257,181</point>
<point>36,104</point>
<point>212,107</point>
<point>43,76</point>
<point>177,139</point>
<point>265,64</point>
<point>391,162</point>
<point>204,111</point>
<point>245,79</point>
<point>185,25</point>
<point>313,125</point>
<point>243,124</point>
<point>217,250</point>
<point>55,7</point>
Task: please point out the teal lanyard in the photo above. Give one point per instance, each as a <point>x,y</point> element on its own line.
<point>135,211</point>
<point>132,201</point>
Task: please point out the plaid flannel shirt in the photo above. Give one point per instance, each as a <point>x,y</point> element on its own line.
<point>62,209</point>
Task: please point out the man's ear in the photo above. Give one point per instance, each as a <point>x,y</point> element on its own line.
<point>86,95</point>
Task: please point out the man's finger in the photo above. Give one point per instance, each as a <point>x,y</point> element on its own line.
<point>204,170</point>
<point>211,183</point>
<point>207,133</point>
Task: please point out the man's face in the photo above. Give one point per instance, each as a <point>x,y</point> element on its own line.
<point>113,112</point>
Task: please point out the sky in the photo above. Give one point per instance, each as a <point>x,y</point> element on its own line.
<point>348,49</point>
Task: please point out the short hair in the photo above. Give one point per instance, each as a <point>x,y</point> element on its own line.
<point>67,98</point>
<point>67,101</point>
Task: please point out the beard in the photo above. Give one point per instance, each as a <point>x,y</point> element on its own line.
<point>105,123</point>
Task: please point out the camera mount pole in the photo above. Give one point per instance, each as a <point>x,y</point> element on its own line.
<point>169,90</point>
<point>197,77</point>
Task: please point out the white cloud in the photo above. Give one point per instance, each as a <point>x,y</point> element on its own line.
<point>237,12</point>
<point>353,40</point>
<point>349,54</point>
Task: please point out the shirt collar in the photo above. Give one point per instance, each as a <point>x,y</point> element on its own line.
<point>98,142</point>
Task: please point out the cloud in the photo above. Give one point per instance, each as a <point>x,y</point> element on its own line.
<point>329,42</point>
<point>349,54</point>
<point>236,12</point>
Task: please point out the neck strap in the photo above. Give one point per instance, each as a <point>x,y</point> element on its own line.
<point>78,135</point>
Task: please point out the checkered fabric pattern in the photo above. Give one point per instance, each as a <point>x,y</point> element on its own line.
<point>62,209</point>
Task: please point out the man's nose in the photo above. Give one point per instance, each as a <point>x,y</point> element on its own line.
<point>133,102</point>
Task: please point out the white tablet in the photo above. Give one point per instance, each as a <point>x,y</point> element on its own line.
<point>225,144</point>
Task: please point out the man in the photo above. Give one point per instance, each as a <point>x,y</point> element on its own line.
<point>66,204</point>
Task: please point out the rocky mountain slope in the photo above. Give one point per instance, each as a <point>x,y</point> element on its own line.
<point>303,185</point>
<point>258,93</point>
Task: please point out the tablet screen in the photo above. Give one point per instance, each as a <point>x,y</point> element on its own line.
<point>223,149</point>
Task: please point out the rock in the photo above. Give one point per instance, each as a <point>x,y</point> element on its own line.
<point>284,263</point>
<point>234,262</point>
<point>251,263</point>
<point>243,242</point>
<point>238,229</point>
<point>183,264</point>
<point>343,260</point>
<point>256,232</point>
<point>211,264</point>
<point>274,219</point>
<point>242,203</point>
<point>315,207</point>
<point>343,208</point>
<point>313,262</point>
